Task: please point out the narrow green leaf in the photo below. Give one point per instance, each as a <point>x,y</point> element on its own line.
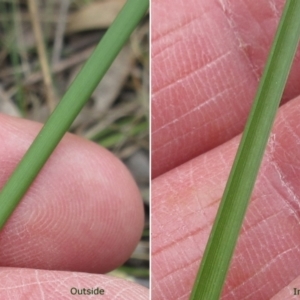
<point>227,225</point>
<point>70,105</point>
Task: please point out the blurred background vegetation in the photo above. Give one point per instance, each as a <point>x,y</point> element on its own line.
<point>43,45</point>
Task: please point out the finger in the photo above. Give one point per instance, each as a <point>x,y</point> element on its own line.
<point>185,201</point>
<point>206,63</point>
<point>31,284</point>
<point>83,212</point>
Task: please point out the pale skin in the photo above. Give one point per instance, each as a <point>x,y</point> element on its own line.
<point>83,214</point>
<point>206,62</point>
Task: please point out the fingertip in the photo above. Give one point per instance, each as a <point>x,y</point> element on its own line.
<point>83,212</point>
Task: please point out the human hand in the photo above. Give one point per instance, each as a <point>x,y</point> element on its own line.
<point>207,59</point>
<point>83,213</point>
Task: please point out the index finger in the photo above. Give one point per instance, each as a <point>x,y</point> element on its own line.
<point>83,212</point>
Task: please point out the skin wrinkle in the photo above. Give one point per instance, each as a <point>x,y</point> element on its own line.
<point>179,269</point>
<point>203,104</point>
<point>242,45</point>
<point>294,200</point>
<point>250,228</point>
<point>276,190</point>
<point>199,19</point>
<point>262,270</point>
<point>247,272</point>
<point>121,293</point>
<point>172,32</point>
<point>184,296</point>
<point>259,25</point>
<point>191,73</point>
<point>274,8</point>
<point>254,292</point>
<point>276,262</point>
<point>28,284</point>
<point>176,241</point>
<point>201,210</point>
<point>291,201</point>
<point>39,285</point>
<point>174,277</point>
<point>176,138</point>
<point>290,130</point>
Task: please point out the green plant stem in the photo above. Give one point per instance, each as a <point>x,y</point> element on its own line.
<point>70,105</point>
<point>226,228</point>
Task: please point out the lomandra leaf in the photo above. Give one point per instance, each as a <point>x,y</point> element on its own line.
<point>228,222</point>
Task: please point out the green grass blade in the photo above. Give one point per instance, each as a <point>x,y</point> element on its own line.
<point>226,228</point>
<point>70,105</point>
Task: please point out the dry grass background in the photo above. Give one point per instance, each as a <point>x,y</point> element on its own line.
<point>43,45</point>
